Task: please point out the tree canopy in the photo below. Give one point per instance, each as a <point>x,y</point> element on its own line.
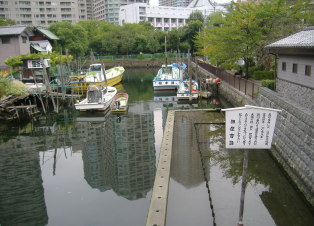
<point>244,32</point>
<point>6,21</point>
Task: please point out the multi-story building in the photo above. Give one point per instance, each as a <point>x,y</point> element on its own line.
<point>108,10</point>
<point>175,3</point>
<point>161,17</point>
<point>45,12</point>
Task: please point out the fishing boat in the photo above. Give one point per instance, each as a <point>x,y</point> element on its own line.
<point>167,78</point>
<point>96,76</point>
<point>119,103</point>
<point>188,89</point>
<point>98,98</point>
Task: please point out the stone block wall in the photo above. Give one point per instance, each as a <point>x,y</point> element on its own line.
<point>304,96</point>
<point>293,140</point>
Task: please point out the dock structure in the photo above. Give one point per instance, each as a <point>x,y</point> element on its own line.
<point>157,213</point>
<point>158,205</point>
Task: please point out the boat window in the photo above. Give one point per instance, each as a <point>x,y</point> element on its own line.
<point>93,97</point>
<point>95,67</point>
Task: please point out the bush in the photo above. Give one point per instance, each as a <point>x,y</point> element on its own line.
<point>11,87</point>
<point>140,57</point>
<point>270,84</point>
<point>263,75</point>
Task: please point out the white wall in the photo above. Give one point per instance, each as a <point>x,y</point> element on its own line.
<point>299,77</point>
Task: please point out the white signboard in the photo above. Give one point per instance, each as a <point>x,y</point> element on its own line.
<point>250,127</point>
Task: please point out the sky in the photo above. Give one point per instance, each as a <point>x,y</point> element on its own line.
<point>155,2</point>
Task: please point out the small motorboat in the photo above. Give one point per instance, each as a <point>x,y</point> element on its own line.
<point>97,98</point>
<point>119,103</point>
<point>184,89</point>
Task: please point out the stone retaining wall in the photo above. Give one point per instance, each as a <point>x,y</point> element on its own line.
<point>293,140</point>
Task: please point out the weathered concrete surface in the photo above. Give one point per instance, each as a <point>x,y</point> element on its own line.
<point>158,204</point>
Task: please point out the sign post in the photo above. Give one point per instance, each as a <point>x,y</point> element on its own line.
<point>249,127</point>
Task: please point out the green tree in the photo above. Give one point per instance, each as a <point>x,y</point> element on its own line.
<point>72,37</point>
<point>195,25</point>
<point>248,28</point>
<point>6,21</point>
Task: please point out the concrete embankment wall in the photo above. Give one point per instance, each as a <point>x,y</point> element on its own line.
<point>293,142</point>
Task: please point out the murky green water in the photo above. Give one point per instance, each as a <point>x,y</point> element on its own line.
<point>92,169</point>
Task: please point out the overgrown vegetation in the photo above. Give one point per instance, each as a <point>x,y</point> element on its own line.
<point>10,86</point>
<point>248,27</point>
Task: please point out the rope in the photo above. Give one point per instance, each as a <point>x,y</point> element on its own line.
<point>204,173</point>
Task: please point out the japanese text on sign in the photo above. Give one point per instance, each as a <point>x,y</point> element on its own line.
<point>250,127</point>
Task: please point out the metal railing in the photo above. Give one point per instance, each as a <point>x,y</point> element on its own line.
<point>248,87</point>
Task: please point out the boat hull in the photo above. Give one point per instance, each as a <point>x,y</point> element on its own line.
<point>187,96</point>
<point>81,87</point>
<point>123,99</point>
<point>166,84</point>
<point>92,106</point>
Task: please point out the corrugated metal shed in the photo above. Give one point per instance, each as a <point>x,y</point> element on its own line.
<point>302,39</point>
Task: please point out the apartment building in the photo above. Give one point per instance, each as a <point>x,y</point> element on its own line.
<point>45,12</point>
<point>163,18</point>
<point>108,10</point>
<point>175,3</point>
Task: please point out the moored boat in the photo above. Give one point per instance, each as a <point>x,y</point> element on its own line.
<point>96,76</point>
<point>119,103</point>
<point>188,89</point>
<point>98,98</point>
<point>167,78</point>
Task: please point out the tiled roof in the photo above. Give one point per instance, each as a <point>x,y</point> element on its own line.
<point>11,30</point>
<point>302,39</point>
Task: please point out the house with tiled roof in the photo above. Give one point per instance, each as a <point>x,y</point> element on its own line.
<point>295,77</point>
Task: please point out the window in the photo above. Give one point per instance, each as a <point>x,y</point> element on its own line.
<point>24,39</point>
<point>5,40</point>
<point>36,64</point>
<point>294,68</point>
<point>283,66</point>
<point>308,70</point>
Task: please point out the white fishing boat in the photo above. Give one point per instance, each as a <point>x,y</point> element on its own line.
<point>188,89</point>
<point>98,98</point>
<point>167,78</point>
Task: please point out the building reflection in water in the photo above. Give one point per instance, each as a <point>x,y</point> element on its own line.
<point>185,162</point>
<point>21,188</point>
<point>189,138</point>
<point>119,154</point>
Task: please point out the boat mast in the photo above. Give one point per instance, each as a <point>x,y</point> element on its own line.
<point>166,51</point>
<point>104,72</point>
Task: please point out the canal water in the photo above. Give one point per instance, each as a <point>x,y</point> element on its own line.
<point>98,169</point>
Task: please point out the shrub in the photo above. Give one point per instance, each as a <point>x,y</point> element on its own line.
<point>263,75</point>
<point>11,87</point>
<point>140,57</point>
<point>270,84</point>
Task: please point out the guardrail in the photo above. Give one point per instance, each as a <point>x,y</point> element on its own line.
<point>248,87</point>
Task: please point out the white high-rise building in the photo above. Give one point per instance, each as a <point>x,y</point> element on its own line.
<point>164,17</point>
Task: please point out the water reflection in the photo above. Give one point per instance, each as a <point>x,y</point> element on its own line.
<point>21,191</point>
<point>206,178</point>
<point>118,153</point>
